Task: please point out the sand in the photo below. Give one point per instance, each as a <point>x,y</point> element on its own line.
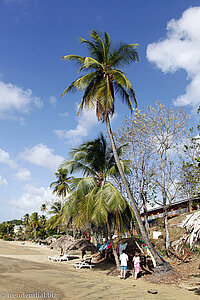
<point>26,272</point>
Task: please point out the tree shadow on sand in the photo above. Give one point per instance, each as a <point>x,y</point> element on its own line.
<point>197,292</point>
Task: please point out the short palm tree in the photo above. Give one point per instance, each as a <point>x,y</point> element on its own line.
<point>34,222</point>
<point>94,197</point>
<point>26,221</point>
<point>58,219</point>
<point>100,85</point>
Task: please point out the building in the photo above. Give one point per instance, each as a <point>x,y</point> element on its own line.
<point>175,209</point>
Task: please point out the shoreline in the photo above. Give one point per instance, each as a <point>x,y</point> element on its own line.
<point>26,269</point>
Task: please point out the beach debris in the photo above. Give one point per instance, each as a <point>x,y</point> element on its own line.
<point>153,291</point>
<point>192,235</point>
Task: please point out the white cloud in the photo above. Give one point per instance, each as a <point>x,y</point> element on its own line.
<point>23,175</point>
<point>5,158</point>
<point>181,50</point>
<point>3,181</point>
<point>31,200</point>
<point>86,121</point>
<point>41,155</point>
<point>14,99</point>
<point>53,100</point>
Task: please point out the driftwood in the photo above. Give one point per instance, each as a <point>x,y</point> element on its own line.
<point>178,255</point>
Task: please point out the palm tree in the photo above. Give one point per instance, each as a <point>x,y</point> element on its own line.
<point>58,219</point>
<point>43,208</point>
<point>34,222</point>
<point>61,186</point>
<point>94,198</point>
<point>8,226</point>
<point>26,221</point>
<point>100,85</point>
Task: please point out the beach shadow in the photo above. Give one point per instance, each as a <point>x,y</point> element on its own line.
<point>73,257</point>
<point>195,275</point>
<point>197,292</point>
<point>104,265</point>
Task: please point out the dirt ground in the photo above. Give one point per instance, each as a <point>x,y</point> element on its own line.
<point>26,272</point>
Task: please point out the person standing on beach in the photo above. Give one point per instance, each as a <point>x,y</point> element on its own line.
<point>136,261</point>
<point>124,259</point>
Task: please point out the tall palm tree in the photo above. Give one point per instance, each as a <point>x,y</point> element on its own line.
<point>100,85</point>
<point>62,185</point>
<point>94,198</point>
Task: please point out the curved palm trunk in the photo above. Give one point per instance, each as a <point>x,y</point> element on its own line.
<point>161,265</point>
<point>113,248</point>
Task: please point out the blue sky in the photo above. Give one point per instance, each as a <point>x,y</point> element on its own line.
<point>38,129</point>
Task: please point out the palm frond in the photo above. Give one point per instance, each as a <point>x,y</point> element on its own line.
<point>74,57</point>
<point>71,88</point>
<point>107,44</point>
<point>76,166</point>
<point>121,79</point>
<point>124,55</point>
<point>125,95</point>
<point>90,62</point>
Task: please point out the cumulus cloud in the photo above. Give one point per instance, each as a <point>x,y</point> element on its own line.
<point>32,199</point>
<point>181,50</point>
<point>3,181</point>
<point>15,100</point>
<point>23,175</point>
<point>41,155</point>
<point>86,121</point>
<point>5,158</point>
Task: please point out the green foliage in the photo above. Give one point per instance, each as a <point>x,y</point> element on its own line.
<point>62,186</point>
<point>6,229</point>
<point>101,84</point>
<point>94,199</point>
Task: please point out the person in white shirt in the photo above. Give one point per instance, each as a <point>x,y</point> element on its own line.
<point>124,259</point>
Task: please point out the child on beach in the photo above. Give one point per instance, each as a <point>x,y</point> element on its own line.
<point>136,261</point>
<point>124,258</point>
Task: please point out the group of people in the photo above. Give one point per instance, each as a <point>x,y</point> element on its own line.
<point>124,260</point>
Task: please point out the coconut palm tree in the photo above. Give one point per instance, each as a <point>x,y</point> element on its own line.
<point>62,185</point>
<point>34,222</point>
<point>101,85</point>
<point>58,219</point>
<point>95,199</point>
<point>43,208</point>
<point>26,221</point>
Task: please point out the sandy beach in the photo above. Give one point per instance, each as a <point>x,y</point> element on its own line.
<point>26,272</point>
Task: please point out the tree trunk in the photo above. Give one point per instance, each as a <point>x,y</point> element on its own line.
<point>113,248</point>
<point>35,236</point>
<point>167,240</point>
<point>145,214</point>
<point>161,265</point>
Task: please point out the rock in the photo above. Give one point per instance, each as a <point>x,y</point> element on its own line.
<point>153,291</point>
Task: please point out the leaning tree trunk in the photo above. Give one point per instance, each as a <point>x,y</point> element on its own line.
<point>113,248</point>
<point>161,264</point>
